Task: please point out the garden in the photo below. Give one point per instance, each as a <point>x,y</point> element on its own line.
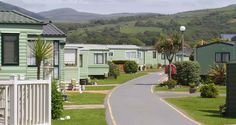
<point>207,106</point>
<point>93,95</point>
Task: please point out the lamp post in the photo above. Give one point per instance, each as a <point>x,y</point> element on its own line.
<point>182,29</point>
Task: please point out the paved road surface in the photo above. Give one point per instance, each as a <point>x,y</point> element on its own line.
<point>134,104</point>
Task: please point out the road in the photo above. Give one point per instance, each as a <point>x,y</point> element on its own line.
<point>133,103</point>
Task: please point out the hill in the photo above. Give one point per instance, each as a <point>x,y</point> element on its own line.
<point>68,15</point>
<point>205,24</point>
<point>6,6</point>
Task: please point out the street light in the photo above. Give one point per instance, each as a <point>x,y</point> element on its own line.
<point>182,29</point>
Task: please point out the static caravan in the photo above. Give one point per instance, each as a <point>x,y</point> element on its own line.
<point>91,60</point>
<point>213,53</point>
<point>18,31</point>
<point>125,52</point>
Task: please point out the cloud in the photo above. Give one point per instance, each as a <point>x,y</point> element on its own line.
<point>115,6</point>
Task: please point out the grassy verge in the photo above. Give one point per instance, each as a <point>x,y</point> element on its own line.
<point>222,89</point>
<point>99,87</point>
<point>204,110</point>
<point>121,79</point>
<point>76,98</point>
<point>83,117</point>
<point>177,89</point>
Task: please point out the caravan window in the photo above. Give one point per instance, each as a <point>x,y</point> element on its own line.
<point>222,57</point>
<point>70,57</point>
<point>10,49</point>
<point>99,58</point>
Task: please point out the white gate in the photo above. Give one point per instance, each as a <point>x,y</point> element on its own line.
<point>25,102</point>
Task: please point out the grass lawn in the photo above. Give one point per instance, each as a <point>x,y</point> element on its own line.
<point>179,89</point>
<point>99,87</point>
<point>121,79</point>
<point>204,110</point>
<point>83,117</point>
<point>222,89</point>
<point>76,98</point>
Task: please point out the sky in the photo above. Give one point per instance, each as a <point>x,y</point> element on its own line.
<point>120,6</point>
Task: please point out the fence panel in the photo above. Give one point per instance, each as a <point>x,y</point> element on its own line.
<point>25,102</point>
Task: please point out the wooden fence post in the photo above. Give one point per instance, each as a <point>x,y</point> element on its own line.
<point>49,99</point>
<point>13,100</point>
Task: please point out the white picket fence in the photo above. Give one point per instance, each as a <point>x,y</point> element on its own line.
<point>25,102</point>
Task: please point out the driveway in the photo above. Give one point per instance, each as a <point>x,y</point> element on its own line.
<point>134,104</point>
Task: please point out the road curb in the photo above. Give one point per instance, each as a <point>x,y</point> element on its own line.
<point>181,113</point>
<point>161,99</point>
<point>162,78</point>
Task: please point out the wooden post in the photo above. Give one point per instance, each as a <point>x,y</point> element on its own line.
<point>231,90</point>
<point>13,100</point>
<point>49,100</point>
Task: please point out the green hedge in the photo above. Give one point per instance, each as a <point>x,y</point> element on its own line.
<point>57,101</point>
<point>131,67</point>
<point>187,72</point>
<point>120,61</point>
<point>113,70</point>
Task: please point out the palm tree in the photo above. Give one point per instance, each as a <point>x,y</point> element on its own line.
<point>169,46</point>
<point>41,50</point>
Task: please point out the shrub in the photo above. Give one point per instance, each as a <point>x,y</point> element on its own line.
<point>57,101</point>
<point>209,91</point>
<point>120,61</point>
<point>222,109</point>
<point>113,70</point>
<point>187,72</point>
<point>170,83</point>
<point>218,74</point>
<point>192,88</point>
<point>159,65</point>
<point>131,67</point>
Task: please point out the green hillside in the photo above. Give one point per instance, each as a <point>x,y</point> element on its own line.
<point>140,30</point>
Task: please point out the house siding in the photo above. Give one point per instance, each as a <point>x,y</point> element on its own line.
<point>206,55</point>
<point>23,30</point>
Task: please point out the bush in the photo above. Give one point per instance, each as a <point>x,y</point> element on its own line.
<point>131,67</point>
<point>209,91</point>
<point>57,101</point>
<point>187,72</point>
<point>222,109</point>
<point>113,70</point>
<point>170,83</point>
<point>218,74</point>
<point>120,61</point>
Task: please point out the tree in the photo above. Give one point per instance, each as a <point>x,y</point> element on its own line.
<point>169,46</point>
<point>41,50</point>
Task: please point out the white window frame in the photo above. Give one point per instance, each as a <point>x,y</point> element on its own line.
<point>129,56</point>
<point>73,61</point>
<point>103,60</point>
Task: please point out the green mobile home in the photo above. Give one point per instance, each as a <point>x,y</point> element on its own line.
<point>210,54</point>
<point>142,56</point>
<point>17,33</point>
<point>85,60</point>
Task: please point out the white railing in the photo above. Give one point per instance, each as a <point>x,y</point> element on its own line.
<point>25,102</point>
